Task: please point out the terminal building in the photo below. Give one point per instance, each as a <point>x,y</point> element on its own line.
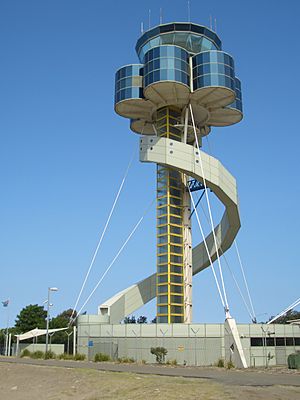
<point>183,86</point>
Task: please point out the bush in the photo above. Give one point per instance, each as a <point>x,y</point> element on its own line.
<point>25,353</point>
<point>220,363</point>
<point>172,362</point>
<point>79,357</point>
<point>37,354</point>
<point>49,355</point>
<point>229,365</point>
<point>160,353</point>
<point>65,356</point>
<point>126,360</point>
<point>101,357</point>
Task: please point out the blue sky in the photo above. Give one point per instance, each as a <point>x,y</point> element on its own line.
<point>64,151</point>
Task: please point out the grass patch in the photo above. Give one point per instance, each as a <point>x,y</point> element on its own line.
<point>99,357</point>
<point>126,360</point>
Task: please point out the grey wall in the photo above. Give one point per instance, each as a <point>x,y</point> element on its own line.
<point>195,344</point>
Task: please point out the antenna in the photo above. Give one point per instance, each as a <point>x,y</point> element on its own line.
<point>160,16</point>
<point>216,25</point>
<point>149,18</point>
<point>142,27</point>
<point>189,10</point>
<point>210,22</point>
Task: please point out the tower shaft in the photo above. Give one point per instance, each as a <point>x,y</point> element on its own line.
<point>173,232</point>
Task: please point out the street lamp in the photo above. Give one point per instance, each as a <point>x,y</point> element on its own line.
<point>50,289</point>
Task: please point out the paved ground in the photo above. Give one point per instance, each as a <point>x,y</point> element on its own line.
<point>253,377</point>
<point>26,381</point>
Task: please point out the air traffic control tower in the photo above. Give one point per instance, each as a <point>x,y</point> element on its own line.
<point>184,85</point>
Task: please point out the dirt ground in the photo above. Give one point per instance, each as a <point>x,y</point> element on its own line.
<point>31,382</point>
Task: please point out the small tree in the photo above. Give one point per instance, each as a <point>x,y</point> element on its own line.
<point>291,314</point>
<point>160,353</point>
<point>141,319</point>
<point>61,321</point>
<point>130,320</point>
<point>30,317</point>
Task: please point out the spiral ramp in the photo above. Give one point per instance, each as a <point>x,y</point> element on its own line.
<point>185,158</point>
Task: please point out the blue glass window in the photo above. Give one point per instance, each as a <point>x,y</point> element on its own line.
<point>156,52</point>
<point>164,74</point>
<point>156,76</point>
<point>204,58</point>
<point>171,75</point>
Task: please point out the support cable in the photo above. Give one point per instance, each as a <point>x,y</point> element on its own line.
<point>206,248</point>
<point>198,201</point>
<point>103,233</point>
<point>245,280</point>
<point>252,316</point>
<point>209,211</point>
<point>252,313</point>
<point>114,260</point>
<point>290,307</point>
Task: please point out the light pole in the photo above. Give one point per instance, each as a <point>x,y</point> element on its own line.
<point>266,332</point>
<point>50,289</point>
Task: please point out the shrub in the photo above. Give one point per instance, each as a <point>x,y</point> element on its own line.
<point>126,360</point>
<point>65,356</point>
<point>38,354</point>
<point>79,357</point>
<point>220,363</point>
<point>25,353</point>
<point>229,365</point>
<point>160,353</point>
<point>172,362</point>
<point>101,357</point>
<point>49,355</point>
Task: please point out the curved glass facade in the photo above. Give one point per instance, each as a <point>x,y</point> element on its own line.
<point>194,38</point>
<point>237,104</point>
<point>191,42</point>
<point>166,63</point>
<point>213,68</point>
<point>129,83</point>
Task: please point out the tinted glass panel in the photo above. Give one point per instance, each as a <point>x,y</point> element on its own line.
<point>256,341</point>
<point>176,289</point>
<point>162,299</point>
<point>279,341</point>
<point>162,320</point>
<point>176,319</point>
<point>162,289</point>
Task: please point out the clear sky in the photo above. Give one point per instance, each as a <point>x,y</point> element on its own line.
<point>64,151</point>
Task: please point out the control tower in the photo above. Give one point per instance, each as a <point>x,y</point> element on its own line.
<point>183,85</point>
